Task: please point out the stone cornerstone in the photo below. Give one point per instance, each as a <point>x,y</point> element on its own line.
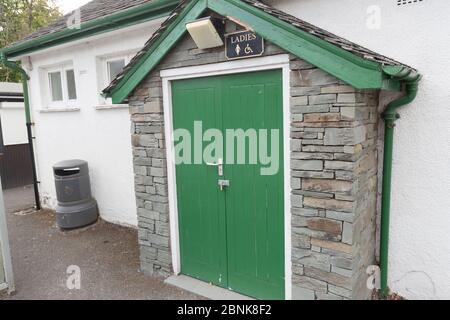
<point>333,147</point>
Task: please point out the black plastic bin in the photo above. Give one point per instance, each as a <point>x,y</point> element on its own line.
<point>76,207</point>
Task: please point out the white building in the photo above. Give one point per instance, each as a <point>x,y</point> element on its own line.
<point>72,120</point>
<point>12,114</point>
<point>87,127</point>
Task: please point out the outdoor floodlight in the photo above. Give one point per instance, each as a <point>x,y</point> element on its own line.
<point>207,32</point>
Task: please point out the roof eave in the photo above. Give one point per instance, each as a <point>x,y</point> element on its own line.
<point>139,14</point>
<point>354,70</point>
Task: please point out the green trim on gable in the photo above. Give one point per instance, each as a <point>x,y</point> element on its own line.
<point>344,65</point>
<point>164,43</point>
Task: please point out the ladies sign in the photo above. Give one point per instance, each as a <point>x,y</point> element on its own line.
<point>243,44</point>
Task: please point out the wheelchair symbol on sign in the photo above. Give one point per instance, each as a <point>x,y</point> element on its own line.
<point>248,49</point>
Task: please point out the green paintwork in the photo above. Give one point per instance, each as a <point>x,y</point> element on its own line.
<point>232,238</point>
<point>154,55</point>
<point>16,68</point>
<point>255,203</point>
<point>200,203</point>
<point>354,70</point>
<point>390,115</point>
<point>139,14</point>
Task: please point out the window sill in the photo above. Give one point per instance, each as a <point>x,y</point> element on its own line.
<point>55,110</point>
<point>112,106</point>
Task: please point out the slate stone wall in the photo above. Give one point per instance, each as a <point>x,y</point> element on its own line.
<point>334,181</point>
<point>333,177</point>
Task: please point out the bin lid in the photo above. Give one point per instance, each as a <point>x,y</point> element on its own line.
<point>72,164</point>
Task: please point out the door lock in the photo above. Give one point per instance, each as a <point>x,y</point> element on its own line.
<point>219,166</point>
<point>223,184</point>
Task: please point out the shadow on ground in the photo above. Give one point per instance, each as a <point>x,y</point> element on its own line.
<point>107,255</point>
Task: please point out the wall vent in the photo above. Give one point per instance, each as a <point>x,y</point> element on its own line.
<point>405,2</point>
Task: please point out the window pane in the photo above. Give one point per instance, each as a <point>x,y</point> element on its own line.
<point>114,68</point>
<point>71,88</point>
<point>55,86</point>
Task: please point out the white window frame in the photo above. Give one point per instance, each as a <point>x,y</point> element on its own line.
<point>105,81</point>
<point>65,102</point>
<point>106,69</point>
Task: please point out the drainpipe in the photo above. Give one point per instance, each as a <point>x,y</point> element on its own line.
<point>15,67</point>
<point>410,79</point>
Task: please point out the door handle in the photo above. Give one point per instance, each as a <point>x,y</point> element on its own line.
<point>219,166</point>
<point>223,184</point>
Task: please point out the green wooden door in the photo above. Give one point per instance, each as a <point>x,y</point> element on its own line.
<point>233,237</point>
<point>201,206</point>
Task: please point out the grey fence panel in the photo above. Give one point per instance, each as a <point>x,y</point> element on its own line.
<point>15,166</point>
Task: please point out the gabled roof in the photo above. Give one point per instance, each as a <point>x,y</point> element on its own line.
<point>96,17</point>
<point>356,65</point>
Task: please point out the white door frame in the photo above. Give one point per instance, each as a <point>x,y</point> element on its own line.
<point>4,249</point>
<point>232,67</point>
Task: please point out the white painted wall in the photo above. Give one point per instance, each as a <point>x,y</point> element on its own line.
<point>102,137</point>
<point>419,35</point>
<point>12,116</point>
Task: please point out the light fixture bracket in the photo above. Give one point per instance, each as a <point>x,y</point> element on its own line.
<point>207,32</point>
